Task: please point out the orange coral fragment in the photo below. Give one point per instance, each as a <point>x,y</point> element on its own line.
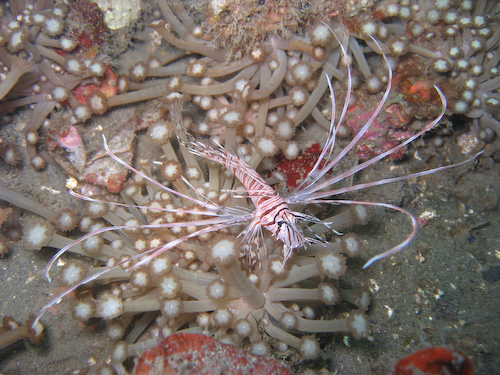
<point>434,361</point>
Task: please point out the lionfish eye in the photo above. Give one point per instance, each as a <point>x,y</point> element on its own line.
<point>280,223</point>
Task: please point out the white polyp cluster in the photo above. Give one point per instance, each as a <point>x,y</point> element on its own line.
<point>476,70</point>
<point>460,106</point>
<point>11,155</point>
<point>93,245</point>
<point>138,72</point>
<point>232,117</point>
<point>442,4</point>
<point>358,324</point>
<point>97,68</point>
<point>276,267</point>
<point>243,89</point>
<point>196,69</point>
<point>441,65</point>
<point>360,214</point>
<point>301,72</point>
<point>168,286</point>
<point>363,301</point>
<point>160,132</point>
<point>350,244</point>
<point>193,173</point>
<point>405,12</point>
<point>243,328</point>
<point>38,19</point>
<point>433,16</point>
<point>222,317</point>
<point>328,294</point>
<point>67,44</point>
<point>53,26</point>
<point>272,118</point>
<point>95,209</point>
<point>115,330</point>
<point>477,45</point>
<point>288,320</point>
<point>155,243</point>
<point>260,348</point>
<point>467,5</point>
<point>331,264</point>
<point>66,220</point>
<point>140,279</point>
<point>292,151</point>
<point>399,46</point>
<point>72,272</point>
<point>83,310</point>
<point>224,251</point>
<point>455,52</point>
<point>174,83</point>
<point>280,346</point>
<point>37,234</point>
<point>60,93</point>
<point>265,146</point>
<point>205,102</point>
<point>38,162</point>
<point>392,10</point>
<point>369,28</point>
<point>273,64</point>
<point>309,347</point>
<point>207,81</point>
<point>171,308</point>
<point>75,66</point>
<point>17,40</point>
<point>308,312</point>
<point>122,84</point>
<point>374,84</point>
<point>31,137</point>
<point>298,95</point>
<point>153,63</point>
<point>97,102</point>
<point>82,112</point>
<point>217,290</point>
<point>119,352</point>
<point>257,53</point>
<point>284,129</point>
<point>60,10</point>
<point>416,29</point>
<point>197,31</point>
<point>320,34</point>
<point>171,170</point>
<point>462,64</point>
<point>109,306</point>
<point>203,320</point>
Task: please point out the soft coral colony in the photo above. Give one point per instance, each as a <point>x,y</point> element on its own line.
<point>253,106</point>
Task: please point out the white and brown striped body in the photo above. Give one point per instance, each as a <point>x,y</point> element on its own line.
<point>271,210</point>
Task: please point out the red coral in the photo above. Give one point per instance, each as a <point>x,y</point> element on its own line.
<point>108,85</point>
<point>381,138</point>
<point>434,361</point>
<point>296,170</point>
<point>199,354</point>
